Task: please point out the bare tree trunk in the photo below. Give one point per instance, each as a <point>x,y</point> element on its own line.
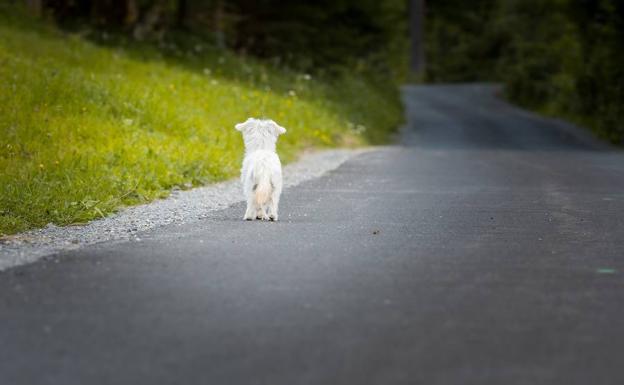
<point>132,13</point>
<point>219,24</point>
<point>109,12</point>
<point>35,7</point>
<point>417,30</point>
<point>146,27</point>
<point>182,13</point>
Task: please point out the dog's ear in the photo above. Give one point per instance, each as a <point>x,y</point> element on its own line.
<point>241,126</point>
<point>279,130</point>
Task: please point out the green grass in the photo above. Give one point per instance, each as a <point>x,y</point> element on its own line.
<point>86,128</point>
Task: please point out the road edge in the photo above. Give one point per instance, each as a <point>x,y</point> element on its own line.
<point>180,207</point>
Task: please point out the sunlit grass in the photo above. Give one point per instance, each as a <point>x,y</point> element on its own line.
<point>86,128</point>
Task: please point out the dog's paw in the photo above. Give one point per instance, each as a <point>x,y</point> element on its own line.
<point>273,218</point>
<point>246,218</point>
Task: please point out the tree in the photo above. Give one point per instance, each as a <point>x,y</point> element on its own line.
<point>416,27</point>
<point>35,6</point>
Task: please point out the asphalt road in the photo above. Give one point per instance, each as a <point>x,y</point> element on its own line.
<point>488,248</point>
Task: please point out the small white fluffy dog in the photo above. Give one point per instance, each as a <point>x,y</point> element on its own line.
<point>261,174</point>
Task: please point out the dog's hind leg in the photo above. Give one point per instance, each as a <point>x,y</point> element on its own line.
<point>251,210</point>
<point>273,206</point>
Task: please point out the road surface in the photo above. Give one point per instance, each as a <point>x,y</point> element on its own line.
<point>486,248</point>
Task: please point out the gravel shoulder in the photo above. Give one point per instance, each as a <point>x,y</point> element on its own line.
<point>179,207</point>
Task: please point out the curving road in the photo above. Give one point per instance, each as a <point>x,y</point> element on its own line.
<point>488,248</point>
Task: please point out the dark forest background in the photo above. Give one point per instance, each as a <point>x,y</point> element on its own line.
<point>560,57</point>
<point>322,35</point>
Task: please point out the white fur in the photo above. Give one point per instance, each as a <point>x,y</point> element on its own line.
<point>261,174</point>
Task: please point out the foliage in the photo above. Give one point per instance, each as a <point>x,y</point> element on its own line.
<point>87,127</point>
<point>327,33</point>
<point>324,35</point>
<point>460,47</point>
<point>560,57</point>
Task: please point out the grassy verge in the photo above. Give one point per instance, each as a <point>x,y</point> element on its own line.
<point>86,128</point>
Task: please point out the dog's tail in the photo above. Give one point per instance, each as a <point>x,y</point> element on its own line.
<point>263,190</point>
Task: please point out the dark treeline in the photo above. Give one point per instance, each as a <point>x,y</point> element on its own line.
<point>307,35</point>
<point>563,57</point>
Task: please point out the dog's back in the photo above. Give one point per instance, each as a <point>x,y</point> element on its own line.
<point>262,173</point>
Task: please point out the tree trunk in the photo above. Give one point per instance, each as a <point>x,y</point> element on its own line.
<point>417,29</point>
<point>132,13</point>
<point>182,13</point>
<point>219,24</point>
<point>35,7</point>
<point>152,16</point>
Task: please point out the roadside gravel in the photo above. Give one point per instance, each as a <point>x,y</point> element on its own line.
<point>179,207</point>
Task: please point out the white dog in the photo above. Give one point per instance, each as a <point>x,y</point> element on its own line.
<point>261,174</point>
